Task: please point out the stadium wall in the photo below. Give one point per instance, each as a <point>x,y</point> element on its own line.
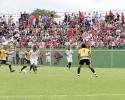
<point>100,58</point>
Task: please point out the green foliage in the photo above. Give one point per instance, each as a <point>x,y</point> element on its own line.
<point>45,12</point>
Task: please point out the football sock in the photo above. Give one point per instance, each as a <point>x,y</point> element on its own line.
<point>10,67</point>
<point>31,67</point>
<point>34,69</point>
<point>78,71</point>
<point>92,70</point>
<point>23,68</point>
<point>69,64</point>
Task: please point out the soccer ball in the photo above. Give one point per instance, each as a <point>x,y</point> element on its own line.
<point>24,71</point>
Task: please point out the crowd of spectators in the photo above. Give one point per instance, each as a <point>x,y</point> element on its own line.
<point>94,29</point>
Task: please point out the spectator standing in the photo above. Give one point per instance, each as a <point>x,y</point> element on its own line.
<point>20,57</point>
<point>1,21</point>
<point>4,19</point>
<point>59,56</point>
<point>41,55</point>
<point>48,57</point>
<point>93,17</point>
<point>55,58</point>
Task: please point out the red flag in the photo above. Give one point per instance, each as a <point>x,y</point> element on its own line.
<point>70,32</point>
<point>81,15</point>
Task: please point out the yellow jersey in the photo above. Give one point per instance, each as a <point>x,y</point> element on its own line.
<point>3,54</point>
<point>26,53</point>
<point>84,53</point>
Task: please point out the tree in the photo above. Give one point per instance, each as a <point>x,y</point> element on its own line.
<point>45,12</point>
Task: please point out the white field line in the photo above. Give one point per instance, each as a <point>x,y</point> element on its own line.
<point>80,95</point>
<point>91,50</point>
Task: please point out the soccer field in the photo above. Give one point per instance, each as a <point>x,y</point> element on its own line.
<point>59,83</point>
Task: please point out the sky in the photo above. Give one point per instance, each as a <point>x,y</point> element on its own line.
<point>16,6</point>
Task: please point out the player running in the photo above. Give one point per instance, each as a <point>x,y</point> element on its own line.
<point>27,56</point>
<point>3,59</point>
<point>69,53</point>
<point>34,56</point>
<point>84,56</point>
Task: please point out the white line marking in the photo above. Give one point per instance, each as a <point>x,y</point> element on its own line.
<point>80,95</point>
<point>91,50</point>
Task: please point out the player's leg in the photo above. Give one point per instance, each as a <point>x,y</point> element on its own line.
<point>90,67</point>
<point>30,67</point>
<point>10,67</point>
<point>0,63</point>
<point>48,61</point>
<point>27,62</point>
<point>70,62</point>
<point>78,71</point>
<point>81,62</point>
<point>36,64</point>
<point>34,68</point>
<point>24,67</point>
<point>55,62</point>
<point>41,59</point>
<point>58,61</point>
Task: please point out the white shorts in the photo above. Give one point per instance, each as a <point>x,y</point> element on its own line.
<point>33,61</point>
<point>69,59</point>
<point>48,59</point>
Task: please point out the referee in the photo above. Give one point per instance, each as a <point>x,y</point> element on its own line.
<point>84,56</point>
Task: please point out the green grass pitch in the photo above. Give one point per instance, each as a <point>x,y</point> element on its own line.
<point>59,83</point>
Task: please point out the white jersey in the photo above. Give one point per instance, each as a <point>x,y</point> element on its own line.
<point>47,56</point>
<point>69,53</point>
<point>33,55</point>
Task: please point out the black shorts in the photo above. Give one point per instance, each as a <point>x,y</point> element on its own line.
<point>87,61</point>
<point>27,61</point>
<point>3,61</point>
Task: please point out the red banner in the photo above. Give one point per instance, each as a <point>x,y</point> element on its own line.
<point>50,44</point>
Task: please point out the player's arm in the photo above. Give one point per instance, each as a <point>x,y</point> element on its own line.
<point>24,54</point>
<point>60,53</point>
<point>79,52</point>
<point>72,52</point>
<point>78,56</point>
